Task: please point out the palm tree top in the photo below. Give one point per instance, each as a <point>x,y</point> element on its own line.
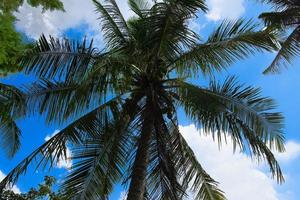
<point>123,102</point>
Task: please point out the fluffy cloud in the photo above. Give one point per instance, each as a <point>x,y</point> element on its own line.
<point>239,176</point>
<point>225,9</point>
<point>292,151</point>
<point>62,162</point>
<point>15,189</point>
<point>34,22</point>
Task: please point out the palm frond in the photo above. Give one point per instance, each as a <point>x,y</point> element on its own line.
<point>55,148</point>
<point>192,174</point>
<point>290,48</point>
<point>113,25</point>
<point>139,7</point>
<point>169,29</point>
<point>286,19</point>
<point>281,19</point>
<point>59,59</point>
<point>230,42</point>
<point>190,6</point>
<point>279,4</point>
<point>12,107</point>
<point>257,147</point>
<point>102,159</point>
<point>54,98</point>
<point>62,101</point>
<point>13,98</point>
<point>163,180</point>
<point>10,135</point>
<point>245,104</point>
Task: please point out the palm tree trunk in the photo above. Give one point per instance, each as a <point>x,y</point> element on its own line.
<point>139,173</point>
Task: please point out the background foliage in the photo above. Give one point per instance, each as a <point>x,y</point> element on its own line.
<point>44,191</point>
<point>12,43</point>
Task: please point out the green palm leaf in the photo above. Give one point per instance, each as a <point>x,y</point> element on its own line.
<point>203,186</point>
<point>114,26</point>
<point>55,148</point>
<point>289,49</point>
<point>164,177</point>
<point>286,19</point>
<point>12,107</point>
<point>55,58</point>
<point>100,161</point>
<point>139,7</point>
<point>218,109</point>
<point>231,41</point>
<point>281,3</point>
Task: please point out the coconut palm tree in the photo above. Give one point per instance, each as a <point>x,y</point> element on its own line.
<point>286,18</point>
<point>123,102</point>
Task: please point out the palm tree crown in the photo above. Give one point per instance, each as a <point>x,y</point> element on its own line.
<point>286,18</point>
<point>123,102</point>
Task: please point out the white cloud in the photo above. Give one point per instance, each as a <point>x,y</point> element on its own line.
<point>225,9</point>
<point>34,22</point>
<point>239,177</point>
<point>62,162</point>
<point>14,188</point>
<point>292,151</point>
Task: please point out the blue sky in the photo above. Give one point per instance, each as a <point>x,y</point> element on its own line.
<point>238,176</point>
